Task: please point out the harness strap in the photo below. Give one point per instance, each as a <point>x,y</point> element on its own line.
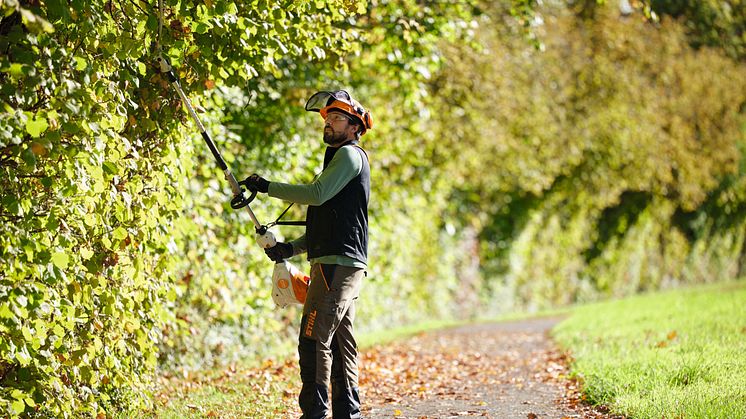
<point>286,223</point>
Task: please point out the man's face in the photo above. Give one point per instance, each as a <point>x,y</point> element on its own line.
<point>338,128</point>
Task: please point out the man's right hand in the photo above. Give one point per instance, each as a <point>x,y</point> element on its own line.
<point>279,252</point>
<point>255,183</point>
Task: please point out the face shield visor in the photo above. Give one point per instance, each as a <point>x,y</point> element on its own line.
<point>324,101</point>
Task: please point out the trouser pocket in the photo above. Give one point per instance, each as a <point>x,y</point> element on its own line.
<point>332,289</point>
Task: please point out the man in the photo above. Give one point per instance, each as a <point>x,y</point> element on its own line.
<point>336,240</point>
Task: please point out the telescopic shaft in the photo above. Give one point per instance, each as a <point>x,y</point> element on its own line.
<point>235,187</point>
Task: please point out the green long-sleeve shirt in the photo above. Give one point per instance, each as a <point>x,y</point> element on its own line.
<point>346,164</point>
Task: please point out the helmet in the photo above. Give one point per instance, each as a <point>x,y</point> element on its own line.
<point>340,100</point>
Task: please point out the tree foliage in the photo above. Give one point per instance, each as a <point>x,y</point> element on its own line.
<point>96,222</point>
<point>718,24</point>
<point>607,143</point>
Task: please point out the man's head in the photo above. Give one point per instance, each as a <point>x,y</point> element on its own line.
<point>344,118</point>
<point>340,128</point>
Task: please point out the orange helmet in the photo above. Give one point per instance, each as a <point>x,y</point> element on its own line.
<point>340,100</point>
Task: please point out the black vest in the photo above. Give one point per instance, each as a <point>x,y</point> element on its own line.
<point>339,226</point>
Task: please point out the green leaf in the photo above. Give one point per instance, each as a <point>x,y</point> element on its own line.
<point>26,332</point>
<point>23,357</point>
<point>52,222</point>
<point>87,374</point>
<point>201,28</point>
<point>29,157</point>
<point>119,233</point>
<point>58,330</point>
<point>18,70</point>
<point>86,253</point>
<point>90,219</point>
<point>55,8</point>
<point>35,127</point>
<point>80,63</point>
<point>18,406</point>
<point>35,22</point>
<point>99,187</point>
<point>110,168</point>
<point>60,260</point>
<point>5,312</point>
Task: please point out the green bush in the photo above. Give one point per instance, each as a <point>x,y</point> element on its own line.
<point>103,224</point>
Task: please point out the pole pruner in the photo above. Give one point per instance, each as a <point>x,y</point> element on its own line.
<point>289,284</point>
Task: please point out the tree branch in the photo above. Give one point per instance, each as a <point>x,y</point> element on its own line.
<point>138,6</point>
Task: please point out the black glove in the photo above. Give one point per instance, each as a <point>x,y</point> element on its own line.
<point>256,183</point>
<point>279,252</point>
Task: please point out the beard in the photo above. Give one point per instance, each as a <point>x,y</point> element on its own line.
<point>332,137</point>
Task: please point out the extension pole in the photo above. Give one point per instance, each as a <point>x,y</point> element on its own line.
<point>235,187</point>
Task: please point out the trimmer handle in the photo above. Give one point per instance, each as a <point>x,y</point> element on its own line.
<point>265,238</point>
<point>240,200</point>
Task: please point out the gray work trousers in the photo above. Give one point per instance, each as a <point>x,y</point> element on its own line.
<point>328,315</point>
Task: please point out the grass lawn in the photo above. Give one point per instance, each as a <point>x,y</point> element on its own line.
<point>266,391</point>
<point>677,354</point>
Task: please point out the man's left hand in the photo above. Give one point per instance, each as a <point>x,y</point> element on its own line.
<point>279,252</point>
<point>256,183</point>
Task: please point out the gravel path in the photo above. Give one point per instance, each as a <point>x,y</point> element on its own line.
<point>497,370</point>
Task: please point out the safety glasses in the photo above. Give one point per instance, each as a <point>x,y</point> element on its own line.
<point>334,117</point>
